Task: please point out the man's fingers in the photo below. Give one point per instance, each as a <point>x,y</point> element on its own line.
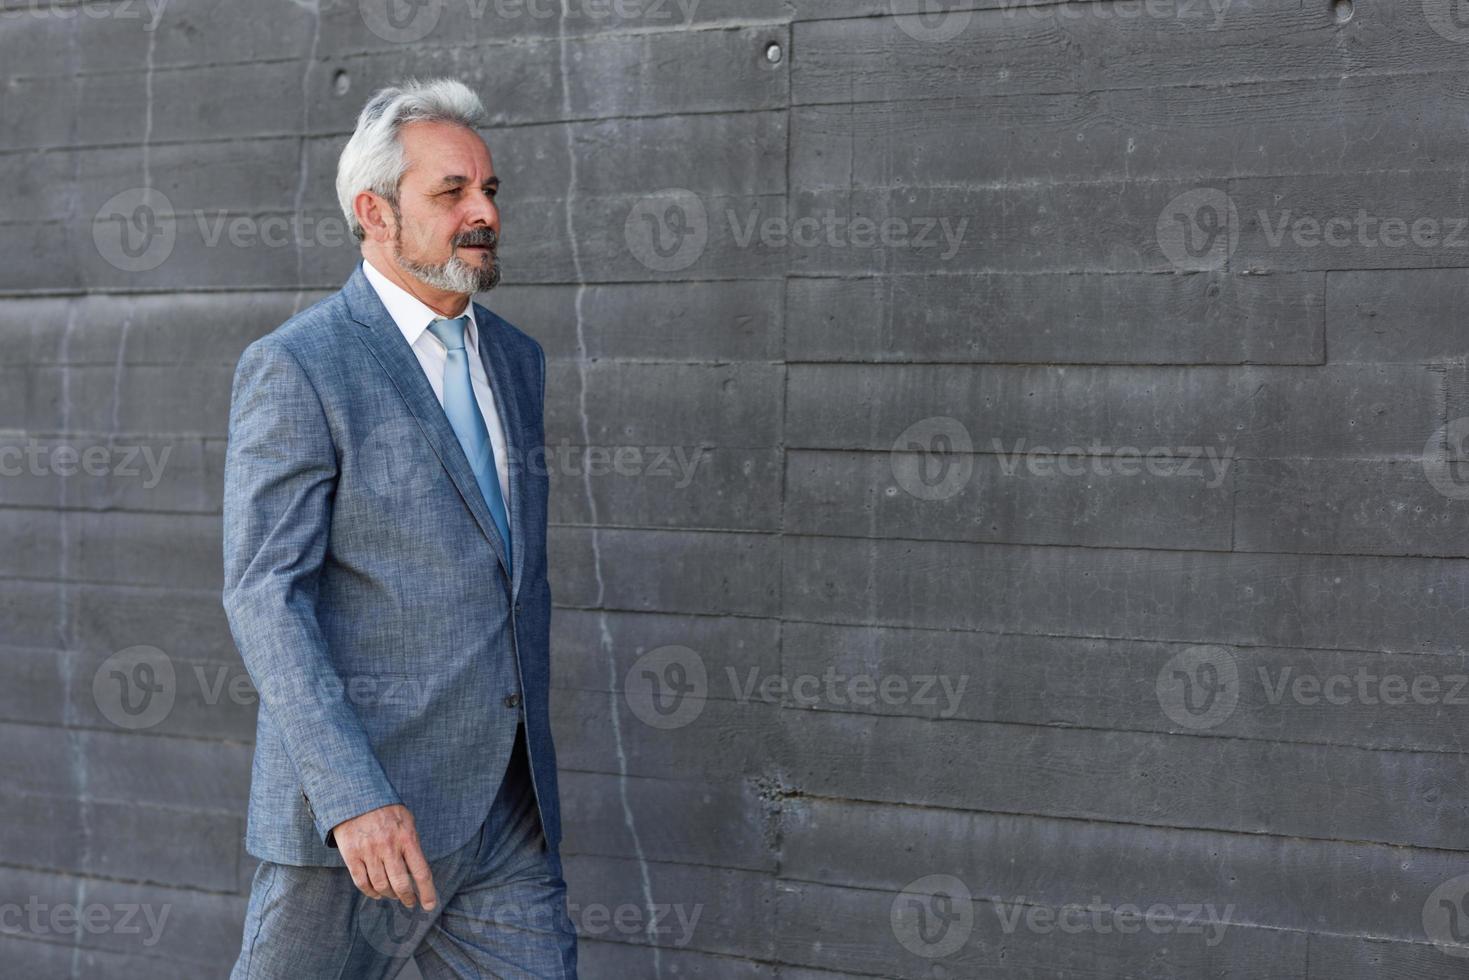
<point>360,878</point>
<point>384,857</point>
<point>400,880</point>
<point>422,876</point>
<point>378,875</point>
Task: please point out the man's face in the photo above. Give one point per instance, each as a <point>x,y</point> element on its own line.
<point>448,225</point>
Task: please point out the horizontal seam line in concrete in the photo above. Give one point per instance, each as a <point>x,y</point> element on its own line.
<point>792,621</point>
<point>1110,547</point>
<point>326,135</point>
<point>572,688</point>
<point>284,292</point>
<point>1079,637</point>
<point>75,947</point>
<point>1257,834</point>
<point>1230,923</point>
<point>908,101</point>
<point>134,804</point>
<point>774,192</point>
<point>17,866</point>
<point>327,288</point>
<point>777,619</point>
<point>1161,733</point>
<point>429,48</point>
<point>612,855</point>
<point>126,732</point>
<point>83,509</point>
<point>342,133</point>
<point>213,594</point>
<point>961,811</point>
<point>782,876</point>
<point>744,960</point>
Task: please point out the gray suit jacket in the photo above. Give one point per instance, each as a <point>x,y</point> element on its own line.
<point>365,582</point>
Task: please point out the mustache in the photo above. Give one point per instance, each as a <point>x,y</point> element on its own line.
<point>478,238</point>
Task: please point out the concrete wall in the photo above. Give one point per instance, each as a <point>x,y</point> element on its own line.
<point>1102,415</point>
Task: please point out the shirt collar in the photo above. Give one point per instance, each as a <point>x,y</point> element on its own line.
<point>409,312</point>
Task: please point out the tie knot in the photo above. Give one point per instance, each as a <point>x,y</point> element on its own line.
<point>450,332</point>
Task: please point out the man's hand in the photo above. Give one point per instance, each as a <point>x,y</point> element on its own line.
<point>382,853</point>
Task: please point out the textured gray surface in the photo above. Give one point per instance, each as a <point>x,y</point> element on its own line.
<point>933,397</point>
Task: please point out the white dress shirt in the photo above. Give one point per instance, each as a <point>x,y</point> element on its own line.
<point>413,318</point>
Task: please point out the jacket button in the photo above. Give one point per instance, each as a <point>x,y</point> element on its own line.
<point>513,701</point>
<point>517,607</point>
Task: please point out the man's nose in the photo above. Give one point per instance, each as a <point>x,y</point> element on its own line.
<point>484,213</point>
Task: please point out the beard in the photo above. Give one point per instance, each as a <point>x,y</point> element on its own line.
<point>455,275</point>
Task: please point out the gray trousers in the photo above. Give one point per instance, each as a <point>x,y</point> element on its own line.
<point>501,912</point>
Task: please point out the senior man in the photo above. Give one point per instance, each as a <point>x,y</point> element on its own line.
<point>385,582</point>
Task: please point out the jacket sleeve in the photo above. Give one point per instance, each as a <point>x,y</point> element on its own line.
<point>279,480</point>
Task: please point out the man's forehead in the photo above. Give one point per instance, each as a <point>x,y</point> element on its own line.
<point>452,154</point>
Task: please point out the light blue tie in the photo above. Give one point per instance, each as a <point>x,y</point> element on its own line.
<point>468,423</point>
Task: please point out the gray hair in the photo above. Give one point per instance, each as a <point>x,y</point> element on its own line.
<point>373,158</point>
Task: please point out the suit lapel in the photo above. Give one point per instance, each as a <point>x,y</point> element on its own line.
<point>386,342</point>
<point>504,382</point>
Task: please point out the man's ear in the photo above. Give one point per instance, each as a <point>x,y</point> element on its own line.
<point>375,216</point>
